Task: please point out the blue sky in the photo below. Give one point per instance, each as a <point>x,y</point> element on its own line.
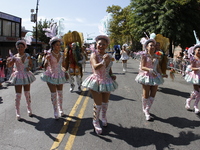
<point>79,15</point>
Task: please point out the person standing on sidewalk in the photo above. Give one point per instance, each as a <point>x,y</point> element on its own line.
<point>101,82</point>
<point>124,57</point>
<point>22,76</point>
<point>149,76</point>
<point>55,75</point>
<point>193,76</point>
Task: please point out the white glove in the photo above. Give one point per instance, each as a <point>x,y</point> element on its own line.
<point>103,62</point>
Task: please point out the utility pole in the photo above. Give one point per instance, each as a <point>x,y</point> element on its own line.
<point>36,32</point>
<point>34,19</point>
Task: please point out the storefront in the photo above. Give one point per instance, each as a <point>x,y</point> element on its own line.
<point>10,32</point>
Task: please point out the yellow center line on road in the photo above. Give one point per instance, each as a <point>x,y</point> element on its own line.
<point>78,122</point>
<point>65,126</point>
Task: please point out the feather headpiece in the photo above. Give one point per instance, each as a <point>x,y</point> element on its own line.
<point>21,42</point>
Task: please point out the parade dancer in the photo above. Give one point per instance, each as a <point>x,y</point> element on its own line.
<point>22,76</point>
<point>55,75</point>
<point>193,76</point>
<point>101,82</point>
<point>149,76</point>
<point>74,62</point>
<point>117,53</point>
<point>124,57</point>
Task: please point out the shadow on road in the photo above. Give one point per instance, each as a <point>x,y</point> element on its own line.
<point>132,72</point>
<point>136,137</point>
<point>140,137</point>
<point>179,122</point>
<point>47,125</point>
<point>118,98</point>
<point>1,100</point>
<point>174,92</point>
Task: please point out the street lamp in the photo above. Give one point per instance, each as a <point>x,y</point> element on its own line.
<point>34,19</point>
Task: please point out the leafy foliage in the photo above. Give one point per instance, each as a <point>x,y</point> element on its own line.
<point>120,27</point>
<point>41,34</point>
<point>175,19</point>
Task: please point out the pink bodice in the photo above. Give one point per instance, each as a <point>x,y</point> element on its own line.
<point>102,72</point>
<point>197,63</point>
<point>19,65</point>
<point>55,66</point>
<point>150,63</point>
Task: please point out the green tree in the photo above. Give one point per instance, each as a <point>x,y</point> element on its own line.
<point>179,21</point>
<point>174,19</point>
<point>120,27</point>
<point>41,34</point>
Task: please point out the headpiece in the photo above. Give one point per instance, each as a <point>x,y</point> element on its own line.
<point>74,44</point>
<point>192,48</point>
<point>196,46</point>
<point>146,40</point>
<point>54,39</point>
<point>21,42</point>
<point>149,41</point>
<point>124,45</point>
<point>102,37</point>
<point>197,41</point>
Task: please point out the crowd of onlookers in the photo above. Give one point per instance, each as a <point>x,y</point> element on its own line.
<point>38,60</point>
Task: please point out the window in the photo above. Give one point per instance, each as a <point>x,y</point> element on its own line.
<point>17,29</point>
<point>6,28</point>
<point>13,29</point>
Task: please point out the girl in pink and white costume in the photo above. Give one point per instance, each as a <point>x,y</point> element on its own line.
<point>149,76</point>
<point>22,76</point>
<point>101,82</point>
<point>193,76</point>
<point>55,75</point>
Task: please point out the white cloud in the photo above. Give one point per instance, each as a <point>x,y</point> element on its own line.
<point>80,20</point>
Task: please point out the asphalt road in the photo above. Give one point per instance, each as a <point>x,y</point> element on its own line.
<point>173,127</point>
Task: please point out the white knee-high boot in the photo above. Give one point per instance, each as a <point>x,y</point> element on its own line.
<point>146,106</point>
<point>79,82</point>
<point>97,109</point>
<point>60,101</point>
<point>28,101</point>
<point>55,106</point>
<point>123,66</point>
<point>83,66</point>
<point>104,110</point>
<point>151,100</point>
<point>17,105</point>
<point>196,109</point>
<point>71,81</point>
<point>193,95</point>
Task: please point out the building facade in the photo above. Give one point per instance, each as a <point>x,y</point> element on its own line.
<point>10,32</point>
